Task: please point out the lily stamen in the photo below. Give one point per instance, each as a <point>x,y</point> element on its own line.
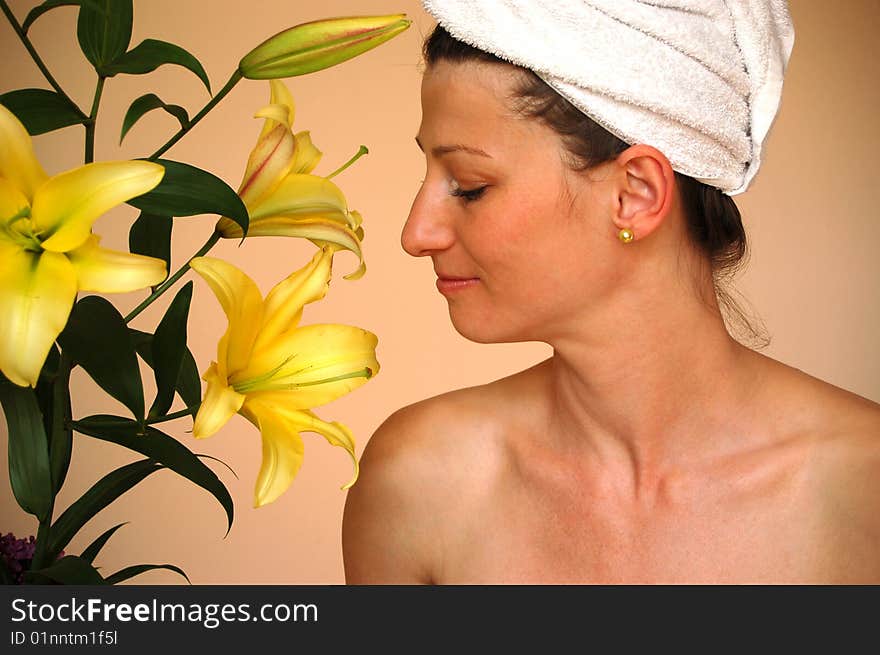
<point>259,381</point>
<point>360,153</point>
<point>25,212</point>
<point>290,386</point>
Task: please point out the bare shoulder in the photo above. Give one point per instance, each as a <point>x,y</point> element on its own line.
<point>420,474</point>
<point>844,426</point>
<point>844,471</point>
<point>848,429</point>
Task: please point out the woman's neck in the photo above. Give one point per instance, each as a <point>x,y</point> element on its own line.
<point>651,391</point>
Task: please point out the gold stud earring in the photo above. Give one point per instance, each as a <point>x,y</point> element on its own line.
<point>625,235</point>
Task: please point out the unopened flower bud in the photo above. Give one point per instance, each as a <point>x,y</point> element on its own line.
<point>313,46</point>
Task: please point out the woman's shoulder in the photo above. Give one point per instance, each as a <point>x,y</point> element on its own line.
<point>843,426</point>
<point>469,423</point>
<point>423,473</point>
<point>847,473</point>
<point>833,414</point>
<point>843,433</point>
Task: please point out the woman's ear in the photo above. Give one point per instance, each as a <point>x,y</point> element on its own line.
<point>644,190</point>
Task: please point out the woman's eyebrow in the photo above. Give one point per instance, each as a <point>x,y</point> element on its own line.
<point>439,151</point>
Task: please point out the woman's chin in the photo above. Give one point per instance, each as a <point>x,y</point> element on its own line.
<point>482,329</point>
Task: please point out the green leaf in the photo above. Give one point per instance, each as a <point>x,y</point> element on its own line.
<point>38,11</point>
<point>188,191</point>
<point>70,569</point>
<point>148,55</point>
<point>101,494</point>
<point>146,103</point>
<point>41,110</point>
<point>104,35</point>
<point>97,338</point>
<point>188,386</point>
<point>150,235</point>
<point>53,395</point>
<point>161,448</point>
<point>137,569</point>
<point>169,346</point>
<point>29,471</point>
<point>90,553</point>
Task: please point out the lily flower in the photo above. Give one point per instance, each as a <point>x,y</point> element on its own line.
<point>273,371</point>
<point>282,197</point>
<point>47,250</point>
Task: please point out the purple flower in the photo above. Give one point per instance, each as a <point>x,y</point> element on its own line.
<point>16,555</point>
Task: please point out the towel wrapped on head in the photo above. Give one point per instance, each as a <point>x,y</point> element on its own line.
<point>700,80</point>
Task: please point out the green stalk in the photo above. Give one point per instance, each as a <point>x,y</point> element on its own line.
<point>236,77</point>
<point>42,543</point>
<point>33,52</point>
<point>58,419</point>
<point>167,284</point>
<point>93,118</point>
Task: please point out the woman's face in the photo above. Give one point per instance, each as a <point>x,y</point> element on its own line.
<point>517,238</point>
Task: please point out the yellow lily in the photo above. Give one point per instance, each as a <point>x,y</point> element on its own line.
<point>47,250</point>
<point>283,198</point>
<point>273,371</point>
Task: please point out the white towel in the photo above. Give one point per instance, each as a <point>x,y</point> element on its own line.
<point>700,80</point>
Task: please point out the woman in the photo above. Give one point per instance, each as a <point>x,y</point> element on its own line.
<point>652,447</point>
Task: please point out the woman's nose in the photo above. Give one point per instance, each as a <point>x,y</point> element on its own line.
<point>427,230</point>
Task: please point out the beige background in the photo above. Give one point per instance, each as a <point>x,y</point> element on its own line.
<point>811,216</point>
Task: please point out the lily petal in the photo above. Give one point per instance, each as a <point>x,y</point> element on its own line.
<point>303,196</point>
<point>338,435</point>
<point>307,155</point>
<point>327,233</point>
<point>356,220</point>
<point>18,163</point>
<point>279,94</point>
<point>282,308</point>
<point>67,205</point>
<point>280,97</point>
<point>322,232</point>
<point>269,162</point>
<point>111,271</point>
<point>358,273</point>
<point>282,447</point>
<point>316,363</point>
<point>276,113</point>
<point>36,295</point>
<point>241,301</point>
<point>219,405</point>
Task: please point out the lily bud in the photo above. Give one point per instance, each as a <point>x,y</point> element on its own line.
<point>313,46</point>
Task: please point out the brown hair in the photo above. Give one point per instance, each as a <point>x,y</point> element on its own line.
<point>713,219</point>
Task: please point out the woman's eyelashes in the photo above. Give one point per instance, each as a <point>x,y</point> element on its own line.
<point>468,195</point>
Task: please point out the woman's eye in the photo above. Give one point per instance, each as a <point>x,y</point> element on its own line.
<point>469,195</point>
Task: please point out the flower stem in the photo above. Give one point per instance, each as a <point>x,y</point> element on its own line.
<point>360,153</point>
<point>162,288</point>
<point>189,411</point>
<point>93,117</point>
<point>236,77</point>
<point>42,541</point>
<point>4,7</point>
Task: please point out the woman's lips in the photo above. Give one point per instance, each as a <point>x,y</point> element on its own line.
<point>447,285</point>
